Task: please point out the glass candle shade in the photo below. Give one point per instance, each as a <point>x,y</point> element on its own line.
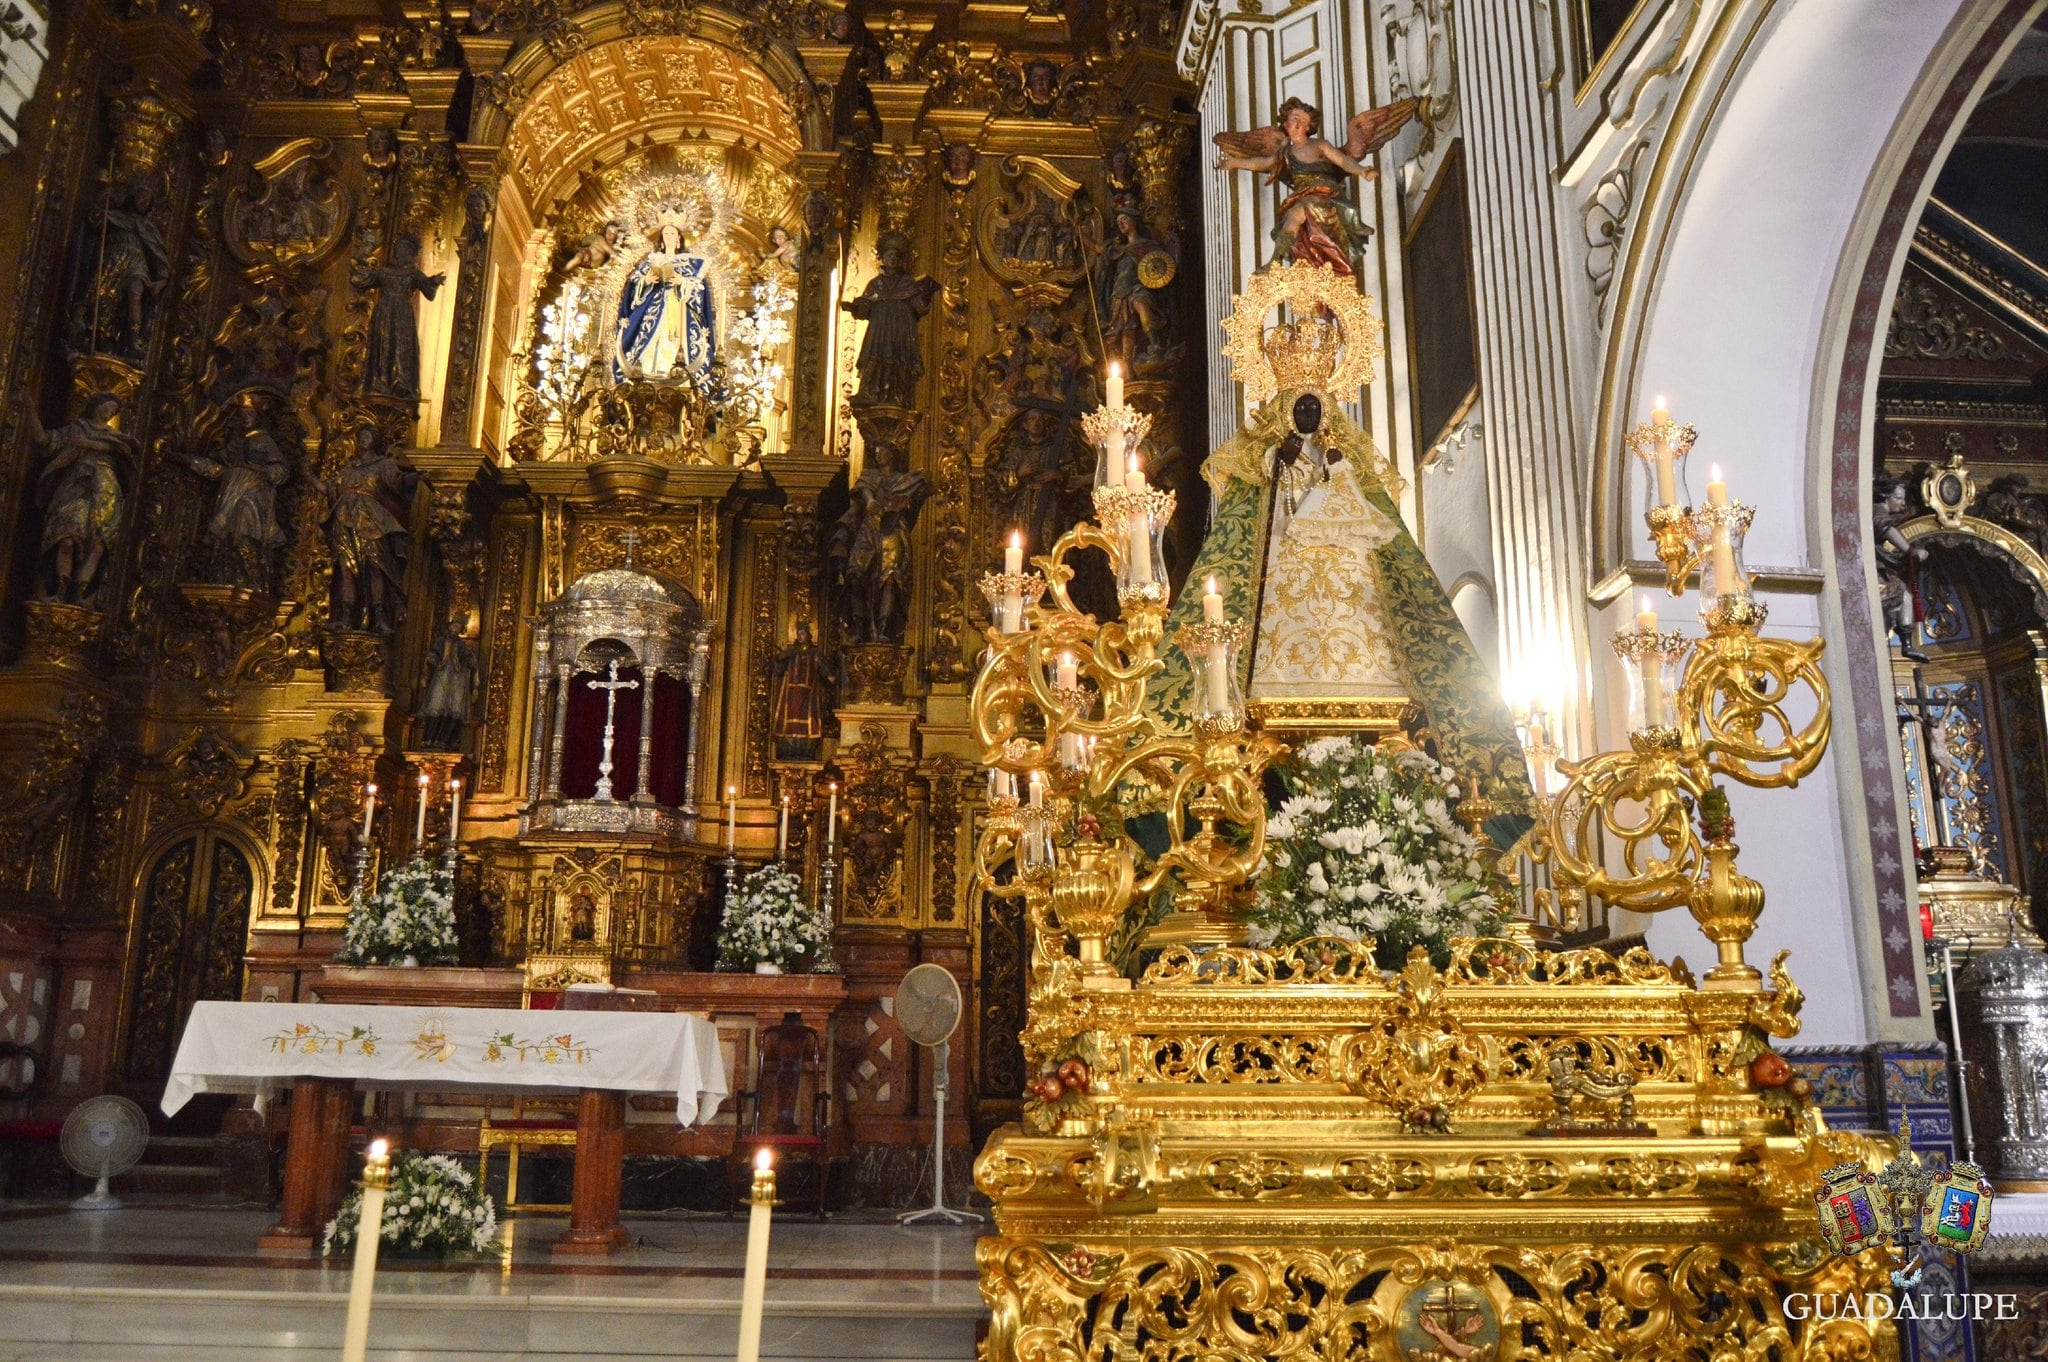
<point>1212,647</point>
<point>1718,531</point>
<point>1661,444</point>
<point>1010,595</point>
<point>1651,657</point>
<point>1141,572</point>
<point>1034,842</point>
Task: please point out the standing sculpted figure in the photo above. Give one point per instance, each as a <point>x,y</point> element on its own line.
<point>80,487</point>
<point>1317,220</point>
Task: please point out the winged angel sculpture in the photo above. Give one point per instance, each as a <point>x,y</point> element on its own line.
<point>1317,221</point>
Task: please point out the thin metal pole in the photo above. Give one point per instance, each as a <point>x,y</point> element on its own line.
<point>1955,1031</point>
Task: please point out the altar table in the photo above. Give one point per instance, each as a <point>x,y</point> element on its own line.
<point>326,1050</point>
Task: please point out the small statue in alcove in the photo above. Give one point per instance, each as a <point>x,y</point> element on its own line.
<point>451,689</point>
<point>582,918</point>
<point>797,717</point>
<point>365,537</point>
<point>393,366</point>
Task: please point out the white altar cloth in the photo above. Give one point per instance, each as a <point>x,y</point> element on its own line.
<point>260,1047</point>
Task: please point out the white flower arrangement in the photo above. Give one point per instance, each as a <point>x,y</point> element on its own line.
<point>410,920</point>
<point>434,1206</point>
<point>1365,846</point>
<point>768,922</point>
<point>753,374</point>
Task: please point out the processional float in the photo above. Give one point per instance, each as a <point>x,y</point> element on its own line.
<point>1277,1153</point>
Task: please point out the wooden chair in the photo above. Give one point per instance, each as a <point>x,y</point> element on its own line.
<point>542,1122</point>
<point>791,1108</point>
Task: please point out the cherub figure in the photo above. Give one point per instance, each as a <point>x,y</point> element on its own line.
<point>1317,221</point>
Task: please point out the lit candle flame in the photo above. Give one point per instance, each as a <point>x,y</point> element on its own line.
<point>764,1160</point>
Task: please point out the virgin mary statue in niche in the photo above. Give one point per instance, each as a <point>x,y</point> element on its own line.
<point>665,316</point>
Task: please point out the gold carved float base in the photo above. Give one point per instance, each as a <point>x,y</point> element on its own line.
<point>1287,1155</point>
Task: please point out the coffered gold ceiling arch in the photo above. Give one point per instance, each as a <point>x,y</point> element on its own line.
<point>602,101</point>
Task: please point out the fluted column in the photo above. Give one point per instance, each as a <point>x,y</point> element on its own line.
<point>561,725</point>
<point>1534,473</point>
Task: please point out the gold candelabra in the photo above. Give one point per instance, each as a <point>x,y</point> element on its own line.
<point>1060,706</point>
<point>1647,828</point>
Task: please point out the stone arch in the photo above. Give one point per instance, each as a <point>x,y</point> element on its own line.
<point>1776,218</point>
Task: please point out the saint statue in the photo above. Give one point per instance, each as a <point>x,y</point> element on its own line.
<point>80,487</point>
<point>870,548</point>
<point>451,690</point>
<point>366,538</point>
<point>129,266</point>
<point>243,532</point>
<point>1307,543</point>
<point>797,717</point>
<point>1317,220</point>
<point>891,360</point>
<point>665,317</point>
<point>1136,270</point>
<point>393,366</point>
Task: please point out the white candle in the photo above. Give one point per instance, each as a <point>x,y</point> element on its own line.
<point>1212,603</point>
<point>732,816</point>
<point>782,831</point>
<point>1037,790</point>
<point>1721,546</point>
<point>1013,599</point>
<point>1139,549</point>
<point>1067,677</point>
<point>454,807</point>
<point>419,826</point>
<point>1002,785</point>
<point>1116,385</point>
<point>369,808</point>
<point>1113,457</point>
<point>1667,469</point>
<point>754,1286</point>
<point>1652,669</point>
<point>831,814</point>
<point>355,1335</point>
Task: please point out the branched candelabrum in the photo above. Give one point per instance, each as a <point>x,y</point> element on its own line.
<point>1646,828</point>
<point>1059,708</point>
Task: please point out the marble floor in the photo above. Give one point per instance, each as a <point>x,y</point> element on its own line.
<point>180,1281</point>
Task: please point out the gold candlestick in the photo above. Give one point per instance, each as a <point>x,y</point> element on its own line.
<point>355,1334</point>
<point>754,1290</point>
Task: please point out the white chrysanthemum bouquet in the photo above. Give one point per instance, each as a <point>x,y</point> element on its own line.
<point>769,923</point>
<point>434,1206</point>
<point>1365,846</point>
<point>410,920</point>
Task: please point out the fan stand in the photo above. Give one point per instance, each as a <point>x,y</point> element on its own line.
<point>939,1210</point>
<point>99,1199</point>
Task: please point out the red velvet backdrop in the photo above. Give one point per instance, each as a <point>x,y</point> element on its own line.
<point>671,753</point>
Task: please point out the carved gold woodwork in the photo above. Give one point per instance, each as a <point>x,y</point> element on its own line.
<point>1244,1153</point>
<point>549,895</point>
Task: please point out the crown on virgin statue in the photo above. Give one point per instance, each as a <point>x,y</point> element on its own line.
<point>1303,353</point>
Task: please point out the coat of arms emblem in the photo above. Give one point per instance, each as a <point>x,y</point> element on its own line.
<point>1957,1212</point>
<point>1855,1211</point>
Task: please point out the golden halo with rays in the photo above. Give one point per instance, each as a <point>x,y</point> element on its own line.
<point>1308,290</point>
